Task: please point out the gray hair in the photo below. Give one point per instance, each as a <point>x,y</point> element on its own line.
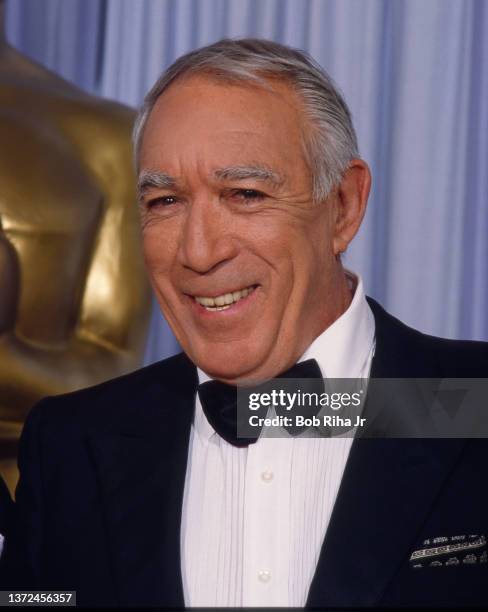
<point>330,142</point>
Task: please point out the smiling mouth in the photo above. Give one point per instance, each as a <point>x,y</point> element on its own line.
<point>224,301</point>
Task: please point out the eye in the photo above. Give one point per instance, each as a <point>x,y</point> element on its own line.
<point>249,195</point>
<point>168,200</point>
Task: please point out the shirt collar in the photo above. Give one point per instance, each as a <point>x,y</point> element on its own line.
<point>342,350</point>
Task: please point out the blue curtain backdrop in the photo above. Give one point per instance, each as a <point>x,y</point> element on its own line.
<point>415,74</point>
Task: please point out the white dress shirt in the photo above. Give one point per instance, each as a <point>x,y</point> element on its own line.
<point>254,519</point>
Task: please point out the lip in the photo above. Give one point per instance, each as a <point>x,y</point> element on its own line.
<point>237,308</point>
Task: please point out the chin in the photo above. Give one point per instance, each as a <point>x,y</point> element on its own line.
<point>230,361</point>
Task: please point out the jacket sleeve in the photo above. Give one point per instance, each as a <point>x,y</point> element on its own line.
<point>20,564</point>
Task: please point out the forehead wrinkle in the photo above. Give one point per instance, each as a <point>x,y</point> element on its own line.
<point>253,171</point>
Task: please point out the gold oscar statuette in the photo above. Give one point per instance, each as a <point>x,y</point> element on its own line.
<point>74,296</point>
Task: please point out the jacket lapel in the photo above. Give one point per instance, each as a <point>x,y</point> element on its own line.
<point>387,489</point>
<point>141,469</point>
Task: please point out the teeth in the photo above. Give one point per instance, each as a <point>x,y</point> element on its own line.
<point>224,301</point>
<point>204,301</point>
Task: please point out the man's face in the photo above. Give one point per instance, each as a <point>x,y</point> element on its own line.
<point>240,258</point>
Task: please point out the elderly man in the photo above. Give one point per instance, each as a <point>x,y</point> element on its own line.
<point>134,493</point>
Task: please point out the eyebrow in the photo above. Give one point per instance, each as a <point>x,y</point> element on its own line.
<point>160,180</point>
<point>154,179</point>
<point>241,173</point>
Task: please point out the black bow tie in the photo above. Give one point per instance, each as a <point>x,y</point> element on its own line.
<point>219,403</point>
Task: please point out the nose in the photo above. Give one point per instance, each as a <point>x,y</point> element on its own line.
<point>206,239</point>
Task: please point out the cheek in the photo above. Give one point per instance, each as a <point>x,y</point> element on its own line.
<point>305,259</point>
<point>159,248</point>
<point>293,248</point>
<point>318,239</point>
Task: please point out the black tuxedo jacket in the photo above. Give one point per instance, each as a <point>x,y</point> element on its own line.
<point>5,508</point>
<point>99,501</point>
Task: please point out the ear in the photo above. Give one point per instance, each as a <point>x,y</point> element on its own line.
<point>351,199</point>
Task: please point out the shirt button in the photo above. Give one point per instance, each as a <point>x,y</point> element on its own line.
<point>264,576</point>
<point>267,476</point>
